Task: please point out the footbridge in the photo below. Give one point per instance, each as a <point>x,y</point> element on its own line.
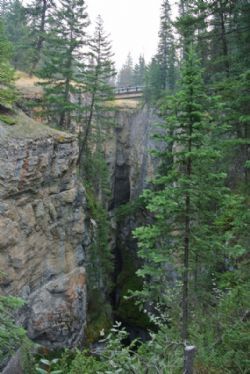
<point>135,92</point>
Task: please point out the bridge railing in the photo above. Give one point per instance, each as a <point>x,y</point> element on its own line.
<point>129,90</point>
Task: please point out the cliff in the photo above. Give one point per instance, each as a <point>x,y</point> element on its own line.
<point>128,153</point>
<point>43,230</point>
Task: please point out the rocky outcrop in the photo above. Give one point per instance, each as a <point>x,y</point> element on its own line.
<point>43,230</point>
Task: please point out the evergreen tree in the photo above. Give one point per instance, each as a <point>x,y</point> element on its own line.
<point>153,84</point>
<point>96,80</point>
<point>38,12</point>
<point>7,94</point>
<point>184,208</point>
<point>63,57</point>
<point>139,72</point>
<point>125,75</point>
<point>17,31</point>
<point>166,49</point>
<point>97,120</point>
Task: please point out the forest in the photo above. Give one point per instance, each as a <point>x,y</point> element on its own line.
<point>190,225</point>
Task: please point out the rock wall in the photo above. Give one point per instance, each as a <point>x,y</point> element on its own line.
<point>44,228</point>
<point>132,166</point>
<point>128,153</point>
<point>43,231</point>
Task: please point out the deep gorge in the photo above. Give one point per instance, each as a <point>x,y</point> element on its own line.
<point>46,227</point>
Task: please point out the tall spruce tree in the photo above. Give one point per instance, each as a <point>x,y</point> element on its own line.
<point>18,33</point>
<point>139,72</point>
<point>153,85</point>
<point>7,94</point>
<point>63,57</point>
<point>38,12</point>
<point>166,49</point>
<point>125,76</point>
<point>97,80</point>
<point>184,209</point>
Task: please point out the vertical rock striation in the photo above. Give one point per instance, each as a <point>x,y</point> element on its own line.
<point>43,231</point>
<point>131,163</point>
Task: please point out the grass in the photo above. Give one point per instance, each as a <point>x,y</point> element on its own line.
<point>7,119</point>
<point>26,127</point>
<point>27,85</point>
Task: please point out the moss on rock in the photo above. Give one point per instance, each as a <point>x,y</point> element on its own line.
<point>7,119</point>
<point>99,316</point>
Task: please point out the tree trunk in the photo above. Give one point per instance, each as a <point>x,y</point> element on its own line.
<point>40,41</point>
<point>223,38</point>
<point>189,354</point>
<point>186,246</point>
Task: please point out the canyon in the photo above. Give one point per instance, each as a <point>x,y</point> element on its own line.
<point>46,226</point>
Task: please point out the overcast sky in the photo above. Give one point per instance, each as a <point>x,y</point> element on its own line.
<point>133,26</point>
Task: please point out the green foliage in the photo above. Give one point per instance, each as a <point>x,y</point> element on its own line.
<point>153,85</point>
<point>189,128</point>
<point>96,79</point>
<point>27,355</point>
<point>11,335</point>
<point>127,281</point>
<point>48,366</point>
<point>139,72</point>
<point>38,14</point>
<point>160,355</point>
<point>100,263</point>
<point>99,312</point>
<point>125,77</point>
<point>7,93</point>
<point>166,55</point>
<point>215,225</point>
<point>62,58</point>
<point>223,333</point>
<point>7,119</point>
<point>129,209</point>
<point>18,33</point>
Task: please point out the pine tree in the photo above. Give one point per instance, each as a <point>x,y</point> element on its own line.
<point>63,57</point>
<point>166,48</point>
<point>97,80</point>
<point>125,75</point>
<point>39,13</point>
<point>98,88</point>
<point>17,31</point>
<point>153,84</point>
<point>184,209</point>
<point>7,94</point>
<point>139,72</point>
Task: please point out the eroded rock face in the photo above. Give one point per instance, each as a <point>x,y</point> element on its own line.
<point>43,231</point>
<point>58,310</point>
<point>128,153</point>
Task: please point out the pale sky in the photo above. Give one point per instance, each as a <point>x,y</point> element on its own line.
<point>133,26</point>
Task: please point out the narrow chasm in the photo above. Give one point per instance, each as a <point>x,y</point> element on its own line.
<point>132,143</point>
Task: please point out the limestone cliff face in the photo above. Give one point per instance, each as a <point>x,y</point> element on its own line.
<point>128,153</point>
<point>43,230</point>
